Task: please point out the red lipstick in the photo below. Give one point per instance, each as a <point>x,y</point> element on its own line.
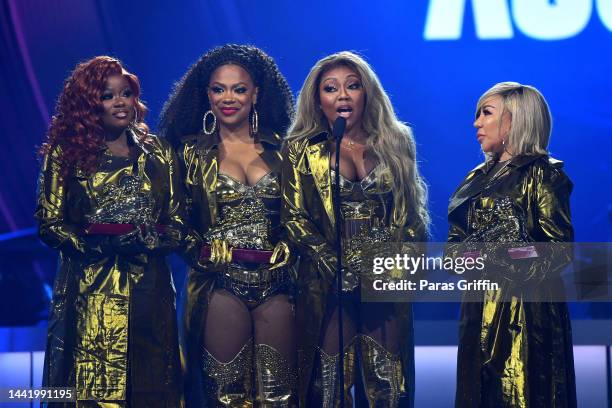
<point>229,111</point>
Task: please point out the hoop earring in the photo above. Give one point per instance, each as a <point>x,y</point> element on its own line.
<point>134,121</point>
<point>254,122</point>
<point>214,124</point>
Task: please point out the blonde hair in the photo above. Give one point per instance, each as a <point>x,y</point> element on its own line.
<point>531,123</point>
<point>391,140</point>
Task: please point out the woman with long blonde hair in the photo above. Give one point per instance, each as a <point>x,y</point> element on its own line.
<point>383,200</point>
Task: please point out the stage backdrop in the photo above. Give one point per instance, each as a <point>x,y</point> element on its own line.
<point>435,58</point>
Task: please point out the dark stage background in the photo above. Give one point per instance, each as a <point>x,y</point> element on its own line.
<point>435,58</point>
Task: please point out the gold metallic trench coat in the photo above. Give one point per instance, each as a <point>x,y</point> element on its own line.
<point>309,219</point>
<point>112,325</point>
<point>199,156</point>
<point>517,354</point>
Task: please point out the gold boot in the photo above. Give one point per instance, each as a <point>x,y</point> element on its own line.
<point>382,374</point>
<point>329,376</point>
<point>229,384</point>
<point>275,379</point>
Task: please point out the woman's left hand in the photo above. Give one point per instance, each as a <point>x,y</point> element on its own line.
<point>280,256</point>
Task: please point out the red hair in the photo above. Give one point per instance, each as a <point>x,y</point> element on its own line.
<point>76,126</point>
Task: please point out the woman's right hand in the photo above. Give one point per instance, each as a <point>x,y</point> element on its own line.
<point>220,252</point>
<point>127,244</point>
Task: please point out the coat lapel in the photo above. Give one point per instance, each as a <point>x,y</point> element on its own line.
<point>471,186</point>
<point>476,181</point>
<point>208,153</point>
<point>318,161</point>
<point>271,154</point>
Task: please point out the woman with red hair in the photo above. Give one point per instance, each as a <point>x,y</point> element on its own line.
<point>110,201</point>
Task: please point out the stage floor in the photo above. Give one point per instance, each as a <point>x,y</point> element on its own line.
<point>21,361</point>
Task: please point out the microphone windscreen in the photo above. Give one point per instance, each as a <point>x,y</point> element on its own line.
<point>339,126</point>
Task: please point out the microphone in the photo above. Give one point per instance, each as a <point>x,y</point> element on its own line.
<point>338,128</point>
<point>338,132</point>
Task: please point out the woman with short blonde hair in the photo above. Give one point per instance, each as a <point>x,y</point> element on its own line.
<point>515,352</point>
<point>530,115</point>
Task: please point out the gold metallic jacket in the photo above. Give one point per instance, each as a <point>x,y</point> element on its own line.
<point>111,314</point>
<point>516,354</point>
<point>199,156</point>
<point>309,218</point>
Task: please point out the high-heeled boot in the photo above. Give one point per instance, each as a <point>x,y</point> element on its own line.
<point>382,373</point>
<point>229,384</point>
<point>275,378</point>
<point>328,371</point>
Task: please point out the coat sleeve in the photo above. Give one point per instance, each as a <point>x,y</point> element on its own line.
<point>454,249</point>
<point>456,235</point>
<point>552,229</point>
<point>301,230</point>
<point>193,240</point>
<point>553,220</point>
<point>174,209</point>
<point>553,206</point>
<point>53,229</point>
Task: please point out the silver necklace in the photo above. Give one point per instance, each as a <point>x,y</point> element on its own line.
<point>501,169</point>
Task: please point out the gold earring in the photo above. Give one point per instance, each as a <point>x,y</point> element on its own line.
<point>135,118</point>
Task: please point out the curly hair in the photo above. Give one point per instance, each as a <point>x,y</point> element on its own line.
<point>76,126</point>
<point>182,114</point>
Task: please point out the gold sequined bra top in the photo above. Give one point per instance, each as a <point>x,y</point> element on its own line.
<point>362,199</point>
<point>119,194</point>
<point>370,184</point>
<point>364,213</point>
<point>249,216</point>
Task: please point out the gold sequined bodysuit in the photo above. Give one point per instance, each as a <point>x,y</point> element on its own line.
<point>365,232</point>
<point>123,200</point>
<point>249,218</point>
